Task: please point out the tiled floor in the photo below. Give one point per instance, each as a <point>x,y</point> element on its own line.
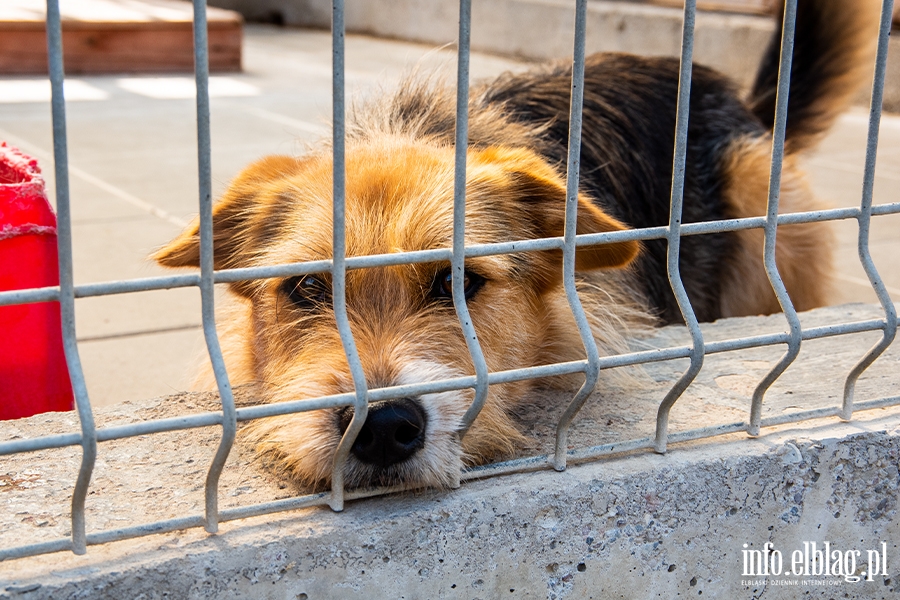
<point>132,151</point>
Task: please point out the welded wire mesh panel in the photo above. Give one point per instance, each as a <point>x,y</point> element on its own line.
<point>339,265</point>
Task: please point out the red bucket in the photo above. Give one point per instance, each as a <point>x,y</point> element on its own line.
<point>33,373</point>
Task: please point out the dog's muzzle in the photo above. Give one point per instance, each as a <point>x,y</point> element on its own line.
<point>393,431</point>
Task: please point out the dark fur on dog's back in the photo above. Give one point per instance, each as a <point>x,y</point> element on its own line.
<point>626,155</point>
<point>628,133</point>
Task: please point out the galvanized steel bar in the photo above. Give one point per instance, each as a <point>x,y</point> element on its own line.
<point>36,549</point>
<point>129,286</point>
<point>44,442</point>
<point>339,269</point>
<point>573,164</point>
<point>207,282</point>
<point>457,262</point>
<point>124,533</point>
<point>781,106</point>
<point>865,217</point>
<point>673,253</point>
<point>66,281</point>
<point>45,294</point>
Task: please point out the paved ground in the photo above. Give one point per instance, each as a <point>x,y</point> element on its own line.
<point>133,162</point>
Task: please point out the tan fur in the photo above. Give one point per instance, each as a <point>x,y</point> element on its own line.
<point>803,253</point>
<point>399,198</point>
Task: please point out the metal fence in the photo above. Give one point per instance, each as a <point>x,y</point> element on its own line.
<point>229,415</point>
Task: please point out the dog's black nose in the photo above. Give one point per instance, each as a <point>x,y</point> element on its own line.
<point>393,432</point>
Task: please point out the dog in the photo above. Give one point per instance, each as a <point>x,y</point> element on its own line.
<point>281,332</point>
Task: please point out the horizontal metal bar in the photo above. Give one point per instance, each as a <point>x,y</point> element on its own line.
<point>128,286</point>
<point>44,294</point>
<point>877,403</point>
<point>112,433</point>
<point>159,426</point>
<point>285,504</point>
<point>286,270</point>
<point>124,533</point>
<point>105,288</point>
<point>50,294</point>
<point>46,442</point>
<point>35,549</point>
<point>306,501</point>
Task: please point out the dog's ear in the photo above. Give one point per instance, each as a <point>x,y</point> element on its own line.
<point>237,218</point>
<point>540,191</point>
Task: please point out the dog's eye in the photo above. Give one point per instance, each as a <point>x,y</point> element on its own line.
<point>443,284</point>
<point>307,291</point>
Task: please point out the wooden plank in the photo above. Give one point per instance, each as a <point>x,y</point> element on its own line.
<point>124,36</point>
<point>112,11</point>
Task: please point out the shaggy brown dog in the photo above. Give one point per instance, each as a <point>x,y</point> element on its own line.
<point>281,332</point>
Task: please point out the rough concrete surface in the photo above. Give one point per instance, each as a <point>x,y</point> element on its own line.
<point>636,525</point>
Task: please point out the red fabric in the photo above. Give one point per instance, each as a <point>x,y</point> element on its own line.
<point>33,373</point>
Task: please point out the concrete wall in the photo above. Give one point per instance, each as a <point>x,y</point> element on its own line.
<point>542,29</point>
<point>537,29</point>
<point>636,525</point>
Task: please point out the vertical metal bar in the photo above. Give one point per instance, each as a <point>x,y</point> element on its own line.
<point>781,105</point>
<point>573,163</point>
<point>66,280</point>
<point>207,288</point>
<point>457,263</point>
<point>673,233</point>
<point>865,216</point>
<point>339,267</point>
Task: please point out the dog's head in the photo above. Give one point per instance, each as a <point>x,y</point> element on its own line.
<point>399,197</point>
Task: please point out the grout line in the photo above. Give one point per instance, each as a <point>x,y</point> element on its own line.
<point>114,336</point>
<point>96,181</point>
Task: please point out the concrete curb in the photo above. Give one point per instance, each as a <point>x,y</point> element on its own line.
<point>632,526</point>
<point>543,29</point>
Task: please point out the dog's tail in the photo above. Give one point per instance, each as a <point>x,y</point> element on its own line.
<point>834,48</point>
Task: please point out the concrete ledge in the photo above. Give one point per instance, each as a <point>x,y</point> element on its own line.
<point>636,525</point>
<point>544,29</point>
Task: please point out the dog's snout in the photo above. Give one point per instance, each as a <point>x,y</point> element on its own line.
<point>393,432</point>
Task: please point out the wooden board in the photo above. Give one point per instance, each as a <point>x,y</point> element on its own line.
<point>116,36</point>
